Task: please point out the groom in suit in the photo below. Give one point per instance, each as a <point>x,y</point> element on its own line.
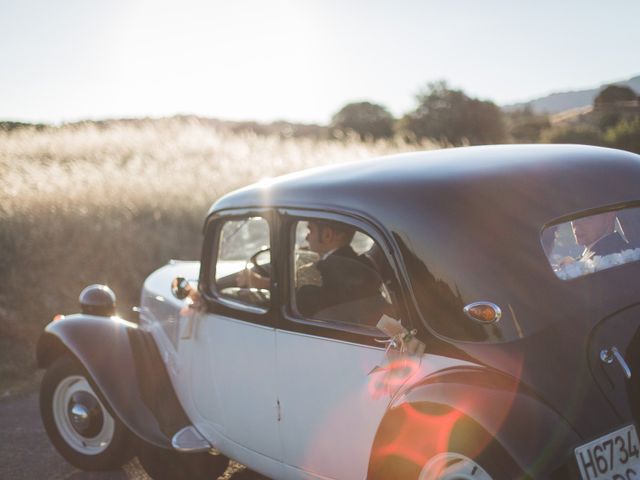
<point>346,276</point>
<point>349,283</point>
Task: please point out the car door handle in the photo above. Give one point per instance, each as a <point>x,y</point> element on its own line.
<point>609,355</point>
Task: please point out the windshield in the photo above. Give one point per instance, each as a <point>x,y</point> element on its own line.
<point>590,243</point>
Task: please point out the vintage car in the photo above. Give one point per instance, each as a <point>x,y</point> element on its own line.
<point>466,313</point>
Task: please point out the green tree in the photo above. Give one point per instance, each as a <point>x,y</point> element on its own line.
<point>369,120</point>
<point>612,94</point>
<point>609,105</point>
<point>445,114</point>
<point>525,126</point>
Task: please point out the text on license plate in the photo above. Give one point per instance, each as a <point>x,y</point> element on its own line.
<point>614,456</point>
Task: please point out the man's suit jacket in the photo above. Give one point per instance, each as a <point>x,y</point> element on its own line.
<point>612,243</point>
<point>346,277</point>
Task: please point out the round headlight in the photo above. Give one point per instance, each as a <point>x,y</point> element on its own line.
<point>98,300</point>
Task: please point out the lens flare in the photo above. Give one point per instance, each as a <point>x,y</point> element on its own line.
<point>416,436</point>
<point>386,380</point>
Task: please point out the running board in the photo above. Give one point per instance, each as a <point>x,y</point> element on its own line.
<point>189,440</point>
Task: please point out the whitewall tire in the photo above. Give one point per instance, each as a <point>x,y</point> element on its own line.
<point>77,422</point>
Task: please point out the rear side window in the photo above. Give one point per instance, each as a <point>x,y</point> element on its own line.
<point>590,243</point>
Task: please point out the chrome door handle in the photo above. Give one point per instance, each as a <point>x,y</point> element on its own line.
<point>609,355</point>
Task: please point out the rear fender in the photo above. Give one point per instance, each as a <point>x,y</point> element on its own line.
<point>124,364</point>
<point>535,437</point>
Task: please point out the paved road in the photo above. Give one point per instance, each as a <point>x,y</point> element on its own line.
<point>27,454</point>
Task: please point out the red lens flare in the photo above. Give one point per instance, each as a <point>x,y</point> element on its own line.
<point>386,380</point>
<point>441,416</point>
<point>416,436</point>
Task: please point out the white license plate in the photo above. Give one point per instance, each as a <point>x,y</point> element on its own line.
<point>614,456</point>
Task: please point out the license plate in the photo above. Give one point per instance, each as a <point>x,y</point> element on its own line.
<point>614,456</point>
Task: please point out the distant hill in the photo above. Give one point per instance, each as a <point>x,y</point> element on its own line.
<point>8,125</point>
<point>561,101</point>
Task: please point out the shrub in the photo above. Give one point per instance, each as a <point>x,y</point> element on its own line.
<point>580,134</point>
<point>625,135</point>
<point>525,126</point>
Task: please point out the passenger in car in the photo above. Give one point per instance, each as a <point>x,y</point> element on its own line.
<point>597,234</point>
<point>630,222</point>
<point>346,276</point>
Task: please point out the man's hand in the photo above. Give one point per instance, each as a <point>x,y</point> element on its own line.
<point>196,301</point>
<point>566,261</point>
<point>250,279</point>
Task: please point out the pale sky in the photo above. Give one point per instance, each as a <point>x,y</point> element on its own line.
<point>299,60</point>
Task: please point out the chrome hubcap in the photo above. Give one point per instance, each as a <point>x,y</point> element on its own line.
<point>81,419</point>
<point>452,466</point>
<point>85,414</point>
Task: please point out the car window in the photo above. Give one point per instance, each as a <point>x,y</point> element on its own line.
<point>340,275</point>
<point>243,261</point>
<point>589,243</point>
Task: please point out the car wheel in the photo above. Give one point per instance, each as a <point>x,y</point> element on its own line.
<point>76,421</point>
<point>472,454</point>
<point>452,466</point>
<point>164,464</point>
<point>463,451</point>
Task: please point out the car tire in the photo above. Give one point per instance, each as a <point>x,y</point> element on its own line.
<point>79,426</point>
<point>453,465</point>
<point>164,464</point>
<point>470,453</point>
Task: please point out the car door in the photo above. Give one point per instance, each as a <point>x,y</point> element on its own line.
<point>329,363</point>
<point>230,349</point>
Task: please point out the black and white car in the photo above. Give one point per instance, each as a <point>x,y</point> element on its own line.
<point>472,323</point>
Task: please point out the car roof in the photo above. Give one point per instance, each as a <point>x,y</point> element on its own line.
<point>575,177</point>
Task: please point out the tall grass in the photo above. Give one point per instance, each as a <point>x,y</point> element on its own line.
<point>109,204</point>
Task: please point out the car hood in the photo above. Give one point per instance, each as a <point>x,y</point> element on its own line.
<point>159,282</point>
<point>158,305</point>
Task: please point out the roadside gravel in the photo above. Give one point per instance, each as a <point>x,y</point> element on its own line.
<point>26,453</point>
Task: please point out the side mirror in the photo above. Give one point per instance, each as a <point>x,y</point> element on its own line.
<point>180,288</point>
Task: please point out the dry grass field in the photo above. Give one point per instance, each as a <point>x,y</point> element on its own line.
<point>110,203</point>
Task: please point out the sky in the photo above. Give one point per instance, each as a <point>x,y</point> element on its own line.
<point>299,60</point>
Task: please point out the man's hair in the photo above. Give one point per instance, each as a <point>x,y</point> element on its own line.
<point>340,228</point>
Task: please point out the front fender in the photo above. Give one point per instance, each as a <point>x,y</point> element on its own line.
<point>124,364</point>
<point>535,437</point>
